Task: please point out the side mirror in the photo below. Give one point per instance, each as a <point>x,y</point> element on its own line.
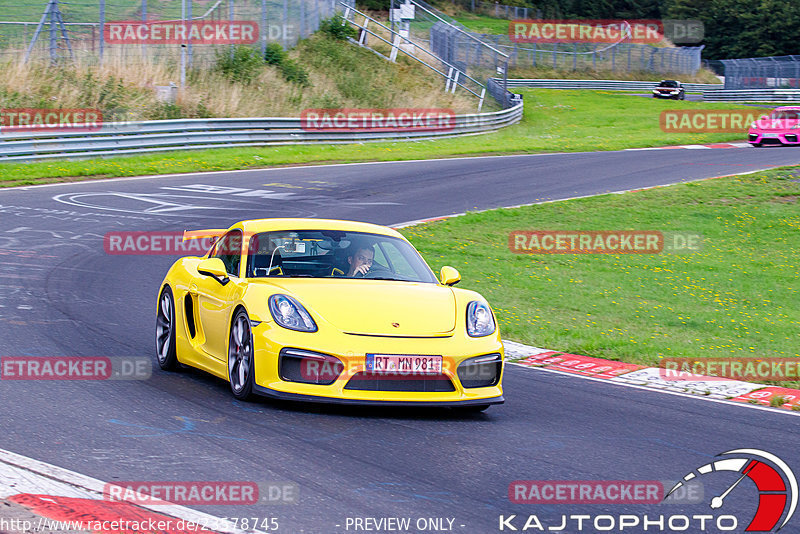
<point>212,267</point>
<point>449,276</point>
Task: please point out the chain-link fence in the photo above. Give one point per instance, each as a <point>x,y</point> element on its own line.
<point>54,30</point>
<point>573,56</point>
<point>779,72</point>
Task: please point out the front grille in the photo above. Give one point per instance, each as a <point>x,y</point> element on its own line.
<point>379,382</point>
<point>792,138</point>
<point>753,137</point>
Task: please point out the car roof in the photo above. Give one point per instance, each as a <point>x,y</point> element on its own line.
<point>254,226</point>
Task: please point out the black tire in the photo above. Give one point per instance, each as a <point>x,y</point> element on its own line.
<point>683,96</point>
<point>241,369</point>
<point>166,352</point>
<point>756,145</point>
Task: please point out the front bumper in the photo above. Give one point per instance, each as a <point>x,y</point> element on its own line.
<point>659,94</point>
<point>351,350</point>
<point>774,138</point>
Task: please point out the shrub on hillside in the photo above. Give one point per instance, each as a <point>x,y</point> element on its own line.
<point>243,66</point>
<point>295,73</point>
<point>274,54</point>
<point>337,28</point>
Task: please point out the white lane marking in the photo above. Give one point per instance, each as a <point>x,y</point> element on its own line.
<point>664,391</point>
<point>20,474</point>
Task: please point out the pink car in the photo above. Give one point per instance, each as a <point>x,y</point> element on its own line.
<point>781,127</point>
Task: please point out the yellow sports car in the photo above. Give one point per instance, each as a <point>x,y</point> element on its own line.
<point>329,311</point>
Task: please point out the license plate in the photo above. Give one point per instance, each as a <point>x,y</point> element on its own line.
<point>770,136</point>
<point>403,364</point>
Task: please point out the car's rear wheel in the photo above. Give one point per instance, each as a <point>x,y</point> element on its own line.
<point>240,356</point>
<point>165,331</point>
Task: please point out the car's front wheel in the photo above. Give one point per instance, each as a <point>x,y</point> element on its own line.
<point>165,331</point>
<point>756,145</point>
<point>240,356</point>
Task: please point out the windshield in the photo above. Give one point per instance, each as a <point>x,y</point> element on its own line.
<point>790,115</point>
<point>668,83</point>
<point>334,253</point>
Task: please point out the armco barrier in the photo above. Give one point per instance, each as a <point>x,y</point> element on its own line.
<point>752,95</point>
<point>194,134</point>
<point>605,85</point>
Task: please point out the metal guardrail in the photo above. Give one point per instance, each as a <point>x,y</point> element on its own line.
<point>194,134</point>
<point>752,95</point>
<point>605,85</point>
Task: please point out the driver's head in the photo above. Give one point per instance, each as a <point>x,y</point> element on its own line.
<point>362,254</point>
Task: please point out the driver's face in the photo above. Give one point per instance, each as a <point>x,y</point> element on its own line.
<point>362,257</point>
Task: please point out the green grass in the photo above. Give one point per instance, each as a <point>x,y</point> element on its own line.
<point>554,121</point>
<point>736,297</point>
<point>483,24</point>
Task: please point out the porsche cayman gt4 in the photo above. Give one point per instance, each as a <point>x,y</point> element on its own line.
<point>329,311</point>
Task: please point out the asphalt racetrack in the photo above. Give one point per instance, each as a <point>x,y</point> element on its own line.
<point>62,295</point>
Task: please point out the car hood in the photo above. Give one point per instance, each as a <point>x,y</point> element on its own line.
<point>777,125</point>
<point>378,307</point>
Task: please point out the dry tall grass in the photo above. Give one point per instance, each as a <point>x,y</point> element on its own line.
<point>341,74</point>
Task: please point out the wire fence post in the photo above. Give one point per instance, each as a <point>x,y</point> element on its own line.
<point>285,22</point>
<point>231,19</point>
<point>189,28</point>
<point>302,4</point>
<point>263,28</point>
<point>102,28</point>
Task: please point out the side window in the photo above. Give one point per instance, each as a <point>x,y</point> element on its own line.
<point>229,250</point>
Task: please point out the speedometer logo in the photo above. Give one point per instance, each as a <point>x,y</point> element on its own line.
<point>776,483</point>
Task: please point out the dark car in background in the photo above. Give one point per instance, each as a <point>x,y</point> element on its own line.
<point>669,89</point>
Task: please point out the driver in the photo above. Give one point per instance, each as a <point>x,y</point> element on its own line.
<point>360,260</point>
<point>360,257</point>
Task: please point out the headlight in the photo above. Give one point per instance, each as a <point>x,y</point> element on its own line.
<point>480,321</point>
<point>796,126</point>
<point>754,126</point>
<point>290,314</point>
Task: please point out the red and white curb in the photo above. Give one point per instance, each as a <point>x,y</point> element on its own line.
<point>649,377</point>
<point>695,147</point>
<point>60,496</point>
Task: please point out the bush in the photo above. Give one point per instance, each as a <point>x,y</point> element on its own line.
<point>337,28</point>
<point>274,54</point>
<point>243,66</point>
<point>295,73</point>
